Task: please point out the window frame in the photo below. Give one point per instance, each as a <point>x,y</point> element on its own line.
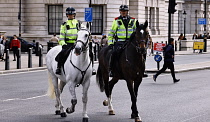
<point>98,29</point>
<point>54,21</point>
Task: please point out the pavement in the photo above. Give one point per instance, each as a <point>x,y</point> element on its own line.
<point>35,63</point>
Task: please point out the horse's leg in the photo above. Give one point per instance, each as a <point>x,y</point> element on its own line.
<point>85,99</point>
<point>136,88</point>
<point>62,84</point>
<point>74,98</point>
<point>133,100</point>
<point>111,85</point>
<point>58,105</point>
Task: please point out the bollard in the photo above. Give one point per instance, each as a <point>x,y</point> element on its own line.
<point>7,60</point>
<point>95,52</point>
<point>175,45</point>
<point>30,58</point>
<point>40,57</point>
<point>19,59</point>
<point>37,49</point>
<point>98,51</point>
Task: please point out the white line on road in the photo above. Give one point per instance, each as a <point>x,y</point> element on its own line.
<point>194,118</point>
<point>15,99</point>
<point>15,73</point>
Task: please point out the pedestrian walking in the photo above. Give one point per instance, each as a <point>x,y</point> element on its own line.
<point>15,44</point>
<point>168,61</point>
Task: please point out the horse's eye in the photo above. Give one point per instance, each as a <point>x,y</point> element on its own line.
<point>86,35</point>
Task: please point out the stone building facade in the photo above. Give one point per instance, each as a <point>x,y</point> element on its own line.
<point>40,19</point>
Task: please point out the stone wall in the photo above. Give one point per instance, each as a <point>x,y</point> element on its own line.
<point>35,21</point>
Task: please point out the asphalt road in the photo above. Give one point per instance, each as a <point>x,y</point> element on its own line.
<point>23,99</point>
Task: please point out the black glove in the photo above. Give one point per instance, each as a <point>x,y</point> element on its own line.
<point>111,46</point>
<point>65,46</point>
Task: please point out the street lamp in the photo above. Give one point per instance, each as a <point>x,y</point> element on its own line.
<point>184,16</point>
<point>19,18</point>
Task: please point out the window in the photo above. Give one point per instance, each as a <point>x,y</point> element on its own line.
<point>97,25</point>
<point>55,18</point>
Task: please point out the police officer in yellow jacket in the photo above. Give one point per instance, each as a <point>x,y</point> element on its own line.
<point>68,36</point>
<point>120,32</point>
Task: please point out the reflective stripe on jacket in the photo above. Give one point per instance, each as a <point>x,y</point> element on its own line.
<point>68,31</point>
<point>119,30</point>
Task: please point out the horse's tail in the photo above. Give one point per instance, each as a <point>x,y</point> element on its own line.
<point>50,91</point>
<point>99,79</point>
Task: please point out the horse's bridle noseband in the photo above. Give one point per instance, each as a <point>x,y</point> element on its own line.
<point>84,45</point>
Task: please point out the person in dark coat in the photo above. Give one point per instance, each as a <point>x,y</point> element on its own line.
<point>168,61</point>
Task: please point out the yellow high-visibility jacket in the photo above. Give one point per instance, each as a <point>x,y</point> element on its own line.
<point>68,32</point>
<point>119,30</point>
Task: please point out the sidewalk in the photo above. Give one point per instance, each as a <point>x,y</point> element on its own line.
<point>149,68</point>
<point>24,64</point>
<point>187,66</point>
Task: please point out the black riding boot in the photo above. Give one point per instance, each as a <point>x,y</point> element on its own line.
<point>111,64</point>
<point>145,73</point>
<point>91,58</point>
<point>94,71</point>
<point>58,70</point>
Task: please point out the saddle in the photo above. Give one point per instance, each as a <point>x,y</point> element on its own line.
<point>114,58</point>
<point>63,55</point>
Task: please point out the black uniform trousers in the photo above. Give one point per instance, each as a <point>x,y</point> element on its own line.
<point>15,52</point>
<point>63,54</point>
<point>169,65</point>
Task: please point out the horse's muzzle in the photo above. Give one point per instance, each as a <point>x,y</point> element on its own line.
<point>78,50</point>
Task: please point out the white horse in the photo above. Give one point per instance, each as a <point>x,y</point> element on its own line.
<point>77,70</point>
<point>2,51</point>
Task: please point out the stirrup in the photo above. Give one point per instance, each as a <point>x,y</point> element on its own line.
<point>58,71</point>
<point>94,72</point>
<point>111,74</point>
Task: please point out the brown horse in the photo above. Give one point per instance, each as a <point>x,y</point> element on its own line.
<point>130,67</point>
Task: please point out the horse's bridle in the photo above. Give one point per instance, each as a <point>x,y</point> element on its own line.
<point>84,49</point>
<point>138,48</point>
<point>84,45</point>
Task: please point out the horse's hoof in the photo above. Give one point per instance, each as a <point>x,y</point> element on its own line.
<point>133,116</point>
<point>111,112</point>
<point>69,111</point>
<point>85,120</point>
<point>57,112</point>
<point>137,119</point>
<point>63,114</point>
<point>105,102</point>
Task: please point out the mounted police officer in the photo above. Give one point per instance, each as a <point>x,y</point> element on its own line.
<point>120,32</point>
<point>68,36</point>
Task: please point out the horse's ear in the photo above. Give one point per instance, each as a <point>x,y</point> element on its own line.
<point>88,25</point>
<point>137,24</point>
<point>145,24</point>
<point>79,25</point>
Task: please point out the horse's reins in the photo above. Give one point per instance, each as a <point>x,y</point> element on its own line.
<point>83,50</point>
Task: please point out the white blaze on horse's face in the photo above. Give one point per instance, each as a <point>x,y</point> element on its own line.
<point>142,31</point>
<point>82,41</point>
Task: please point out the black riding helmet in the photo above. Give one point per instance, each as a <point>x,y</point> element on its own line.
<point>123,8</point>
<point>70,11</point>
